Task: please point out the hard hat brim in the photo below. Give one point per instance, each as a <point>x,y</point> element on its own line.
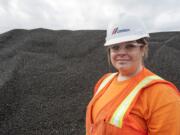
<point>125,39</point>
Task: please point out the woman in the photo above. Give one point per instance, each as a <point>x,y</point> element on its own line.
<point>132,101</point>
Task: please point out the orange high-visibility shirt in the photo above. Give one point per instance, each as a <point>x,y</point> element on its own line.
<point>114,89</point>
<point>157,110</point>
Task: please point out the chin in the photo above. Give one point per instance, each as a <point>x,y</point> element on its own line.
<point>123,68</point>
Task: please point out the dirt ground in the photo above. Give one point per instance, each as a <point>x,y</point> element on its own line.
<point>47,77</point>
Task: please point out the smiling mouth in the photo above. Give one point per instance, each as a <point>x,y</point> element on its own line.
<point>122,60</point>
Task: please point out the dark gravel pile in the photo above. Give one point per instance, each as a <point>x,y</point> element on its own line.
<point>47,77</point>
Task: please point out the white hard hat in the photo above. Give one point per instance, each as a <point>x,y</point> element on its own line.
<point>125,28</point>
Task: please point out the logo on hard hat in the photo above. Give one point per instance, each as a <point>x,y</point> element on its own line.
<point>117,30</point>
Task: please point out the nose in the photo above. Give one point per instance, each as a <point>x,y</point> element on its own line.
<point>122,50</point>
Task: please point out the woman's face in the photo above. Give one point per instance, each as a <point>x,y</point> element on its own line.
<point>127,57</point>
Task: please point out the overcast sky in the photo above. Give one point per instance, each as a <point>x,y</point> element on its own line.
<point>158,15</point>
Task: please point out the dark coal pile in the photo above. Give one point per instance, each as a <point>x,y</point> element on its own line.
<point>47,77</point>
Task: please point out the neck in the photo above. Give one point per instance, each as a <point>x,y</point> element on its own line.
<point>126,75</point>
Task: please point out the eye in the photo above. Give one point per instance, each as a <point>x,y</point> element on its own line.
<point>115,47</point>
<point>130,46</point>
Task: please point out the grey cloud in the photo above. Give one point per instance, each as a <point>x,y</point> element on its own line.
<point>85,14</point>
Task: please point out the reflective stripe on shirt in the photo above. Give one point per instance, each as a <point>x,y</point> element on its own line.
<point>119,113</point>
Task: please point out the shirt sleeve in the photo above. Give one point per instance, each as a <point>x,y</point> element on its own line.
<point>163,111</point>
